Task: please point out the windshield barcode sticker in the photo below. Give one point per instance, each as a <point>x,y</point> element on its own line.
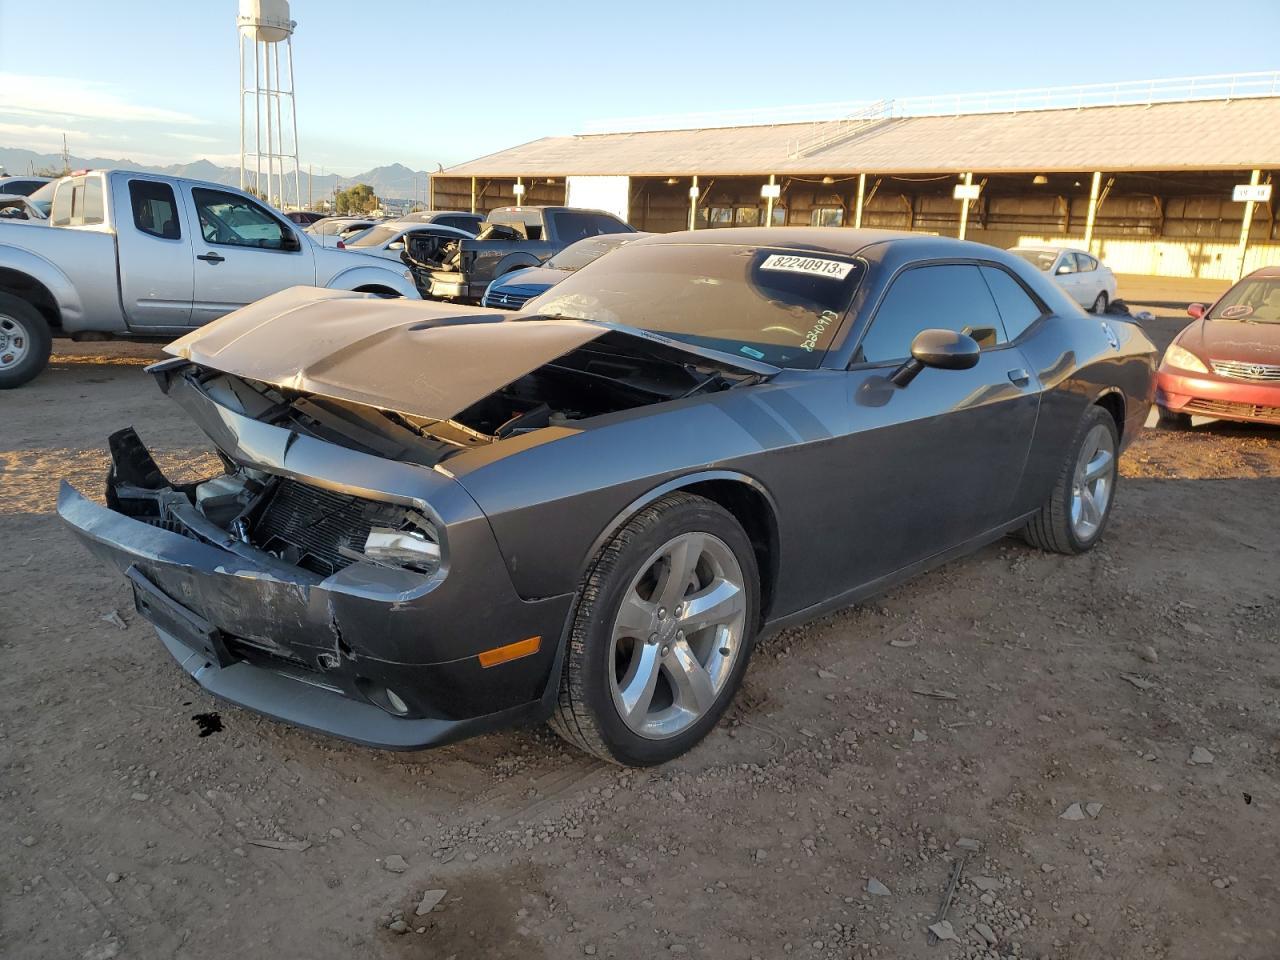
<point>814,266</point>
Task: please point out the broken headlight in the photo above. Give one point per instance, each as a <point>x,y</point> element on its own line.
<point>414,549</point>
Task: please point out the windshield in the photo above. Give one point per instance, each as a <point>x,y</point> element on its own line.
<point>1040,259</point>
<point>775,305</point>
<point>373,237</point>
<point>42,199</point>
<point>330,226</point>
<point>1250,301</point>
<point>578,255</point>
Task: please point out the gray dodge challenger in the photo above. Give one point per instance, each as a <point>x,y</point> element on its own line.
<point>437,520</point>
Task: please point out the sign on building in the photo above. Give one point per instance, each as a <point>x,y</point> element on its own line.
<point>967,191</point>
<point>610,194</point>
<point>1251,193</point>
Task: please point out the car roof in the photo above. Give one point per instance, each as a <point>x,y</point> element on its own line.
<point>838,240</point>
<point>1047,248</point>
<point>1265,273</point>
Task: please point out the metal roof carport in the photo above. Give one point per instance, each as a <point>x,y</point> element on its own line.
<point>1147,186</point>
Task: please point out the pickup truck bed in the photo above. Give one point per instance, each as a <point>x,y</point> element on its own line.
<point>512,238</point>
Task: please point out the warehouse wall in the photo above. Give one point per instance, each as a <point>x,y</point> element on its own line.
<point>454,193</point>
<point>1184,236</point>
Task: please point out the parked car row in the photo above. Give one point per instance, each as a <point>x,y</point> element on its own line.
<point>662,418</point>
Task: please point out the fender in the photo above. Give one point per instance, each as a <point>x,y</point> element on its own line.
<point>515,261</point>
<point>676,483</point>
<point>48,274</point>
<point>369,275</point>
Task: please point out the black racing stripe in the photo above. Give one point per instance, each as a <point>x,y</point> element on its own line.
<point>760,423</point>
<point>796,415</point>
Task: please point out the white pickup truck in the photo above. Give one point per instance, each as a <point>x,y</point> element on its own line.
<point>138,255</point>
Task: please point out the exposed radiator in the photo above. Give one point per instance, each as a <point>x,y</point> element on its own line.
<point>309,526</point>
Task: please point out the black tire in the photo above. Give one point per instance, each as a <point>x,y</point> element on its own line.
<point>1100,303</point>
<point>585,714</point>
<point>1051,529</point>
<point>1172,419</point>
<point>19,319</point>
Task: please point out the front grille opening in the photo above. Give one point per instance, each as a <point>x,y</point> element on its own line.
<point>313,528</point>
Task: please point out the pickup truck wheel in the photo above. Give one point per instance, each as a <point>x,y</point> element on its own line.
<point>664,626</point>
<point>25,341</point>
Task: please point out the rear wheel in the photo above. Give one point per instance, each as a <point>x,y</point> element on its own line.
<point>1100,303</point>
<point>661,635</point>
<point>1173,419</point>
<point>25,341</point>
<point>1073,518</point>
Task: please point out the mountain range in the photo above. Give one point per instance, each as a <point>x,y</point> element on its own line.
<point>394,180</point>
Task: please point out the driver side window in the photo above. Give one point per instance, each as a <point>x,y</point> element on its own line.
<point>948,296</point>
<point>230,220</point>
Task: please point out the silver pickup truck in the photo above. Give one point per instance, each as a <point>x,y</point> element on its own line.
<point>139,255</point>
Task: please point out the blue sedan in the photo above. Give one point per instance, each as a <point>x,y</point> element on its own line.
<point>511,290</point>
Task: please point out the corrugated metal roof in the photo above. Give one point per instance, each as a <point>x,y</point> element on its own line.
<point>1200,135</point>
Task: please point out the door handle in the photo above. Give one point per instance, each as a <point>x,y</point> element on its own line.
<point>210,257</point>
<point>1020,377</point>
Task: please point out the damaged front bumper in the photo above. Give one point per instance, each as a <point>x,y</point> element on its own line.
<point>450,285</point>
<point>381,656</point>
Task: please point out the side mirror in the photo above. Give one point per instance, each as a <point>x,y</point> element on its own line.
<point>942,349</point>
<point>289,241</point>
<point>1195,310</point>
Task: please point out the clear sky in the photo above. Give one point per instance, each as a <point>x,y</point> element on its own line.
<point>416,82</point>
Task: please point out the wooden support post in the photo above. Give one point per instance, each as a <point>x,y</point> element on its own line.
<point>1093,209</point>
<point>473,194</point>
<point>1254,179</point>
<point>862,192</point>
<point>693,204</point>
<point>768,204</point>
<point>964,207</point>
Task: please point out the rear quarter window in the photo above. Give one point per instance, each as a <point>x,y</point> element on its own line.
<point>1018,309</point>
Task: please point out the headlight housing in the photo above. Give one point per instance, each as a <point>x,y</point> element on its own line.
<point>415,545</point>
<point>1183,359</point>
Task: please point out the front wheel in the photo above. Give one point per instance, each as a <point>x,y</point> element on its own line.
<point>1073,518</point>
<point>661,635</point>
<point>25,341</point>
<point>1173,419</point>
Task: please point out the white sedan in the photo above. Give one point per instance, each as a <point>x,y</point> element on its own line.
<point>1087,280</point>
<point>388,239</point>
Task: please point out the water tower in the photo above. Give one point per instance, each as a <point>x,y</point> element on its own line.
<point>267,155</point>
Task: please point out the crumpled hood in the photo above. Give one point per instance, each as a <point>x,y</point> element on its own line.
<point>416,357</point>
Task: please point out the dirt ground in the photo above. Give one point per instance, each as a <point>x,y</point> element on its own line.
<point>982,701</point>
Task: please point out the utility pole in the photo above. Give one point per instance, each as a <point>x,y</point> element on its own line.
<point>310,183</point>
<point>66,157</point>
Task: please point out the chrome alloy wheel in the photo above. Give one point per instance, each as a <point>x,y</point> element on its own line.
<point>14,342</point>
<point>677,635</point>
<point>1093,482</point>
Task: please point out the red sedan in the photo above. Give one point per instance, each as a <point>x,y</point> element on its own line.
<point>1226,364</point>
